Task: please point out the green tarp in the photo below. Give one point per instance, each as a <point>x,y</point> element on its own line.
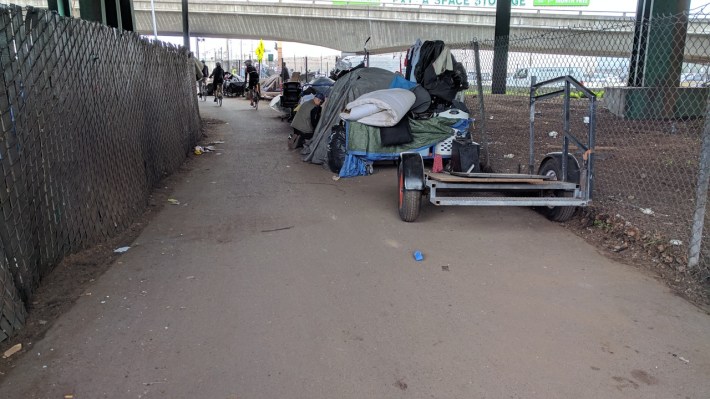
<point>365,140</point>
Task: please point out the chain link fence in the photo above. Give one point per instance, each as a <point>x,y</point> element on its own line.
<point>651,167</point>
<point>92,118</point>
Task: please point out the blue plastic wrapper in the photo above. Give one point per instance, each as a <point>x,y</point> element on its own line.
<point>418,256</point>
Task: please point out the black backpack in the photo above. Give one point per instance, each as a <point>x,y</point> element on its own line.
<point>253,77</point>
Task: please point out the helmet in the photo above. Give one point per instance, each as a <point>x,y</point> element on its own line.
<point>247,62</point>
<point>219,64</point>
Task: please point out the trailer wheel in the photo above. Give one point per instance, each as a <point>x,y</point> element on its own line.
<point>551,167</point>
<point>409,200</point>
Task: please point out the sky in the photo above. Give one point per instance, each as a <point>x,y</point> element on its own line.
<point>208,46</point>
<point>297,49</point>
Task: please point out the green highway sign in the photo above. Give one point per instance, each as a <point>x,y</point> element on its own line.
<point>560,3</point>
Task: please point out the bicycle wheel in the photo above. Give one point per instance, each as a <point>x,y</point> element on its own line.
<point>219,100</point>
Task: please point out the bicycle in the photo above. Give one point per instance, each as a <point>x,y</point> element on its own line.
<point>254,95</point>
<point>201,93</point>
<point>218,94</point>
<point>257,96</point>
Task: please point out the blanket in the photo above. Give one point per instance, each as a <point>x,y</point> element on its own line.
<point>380,108</point>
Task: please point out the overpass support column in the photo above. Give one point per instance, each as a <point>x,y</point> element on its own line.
<point>659,43</point>
<point>93,10</point>
<point>657,63</point>
<point>128,17</point>
<point>62,7</point>
<point>115,13</point>
<point>500,52</point>
<point>185,26</point>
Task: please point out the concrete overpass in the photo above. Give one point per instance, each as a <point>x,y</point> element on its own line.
<point>345,28</point>
<point>394,28</point>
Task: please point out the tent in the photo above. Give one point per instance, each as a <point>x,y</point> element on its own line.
<point>345,90</point>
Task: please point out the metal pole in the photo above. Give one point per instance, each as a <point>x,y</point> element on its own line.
<point>531,159</point>
<point>565,128</point>
<point>155,26</point>
<point>479,84</point>
<point>500,47</point>
<point>701,196</point>
<point>592,143</point>
<point>185,26</point>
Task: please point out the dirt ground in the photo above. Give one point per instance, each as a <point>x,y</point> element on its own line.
<point>640,165</point>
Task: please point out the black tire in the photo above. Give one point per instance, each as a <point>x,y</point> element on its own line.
<point>552,167</point>
<point>410,201</point>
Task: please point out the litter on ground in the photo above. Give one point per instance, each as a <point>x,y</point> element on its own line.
<point>14,349</point>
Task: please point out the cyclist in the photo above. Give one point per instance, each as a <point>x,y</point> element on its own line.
<point>205,73</point>
<point>252,76</point>
<point>217,81</point>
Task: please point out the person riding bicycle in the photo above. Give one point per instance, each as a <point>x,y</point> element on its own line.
<point>252,78</point>
<point>217,80</point>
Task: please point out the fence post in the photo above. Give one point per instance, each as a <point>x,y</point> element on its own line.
<point>701,195</point>
<point>479,86</point>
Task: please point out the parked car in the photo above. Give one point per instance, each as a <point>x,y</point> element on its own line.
<point>485,77</point>
<point>694,80</point>
<point>523,76</point>
<point>233,87</point>
<point>602,80</point>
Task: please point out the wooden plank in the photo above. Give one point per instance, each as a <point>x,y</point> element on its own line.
<point>446,178</point>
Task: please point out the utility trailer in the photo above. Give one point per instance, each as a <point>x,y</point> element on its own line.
<point>560,184</point>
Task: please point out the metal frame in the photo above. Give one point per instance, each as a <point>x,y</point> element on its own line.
<point>533,193</point>
<point>586,170</point>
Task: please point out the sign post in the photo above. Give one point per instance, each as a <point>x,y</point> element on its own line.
<point>260,53</point>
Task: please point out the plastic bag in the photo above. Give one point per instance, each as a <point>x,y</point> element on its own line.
<point>336,148</point>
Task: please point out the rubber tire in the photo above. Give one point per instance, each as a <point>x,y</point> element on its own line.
<point>410,201</point>
<point>555,213</point>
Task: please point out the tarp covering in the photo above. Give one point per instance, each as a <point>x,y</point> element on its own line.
<point>302,120</point>
<point>364,140</point>
<point>345,90</point>
<point>364,145</point>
